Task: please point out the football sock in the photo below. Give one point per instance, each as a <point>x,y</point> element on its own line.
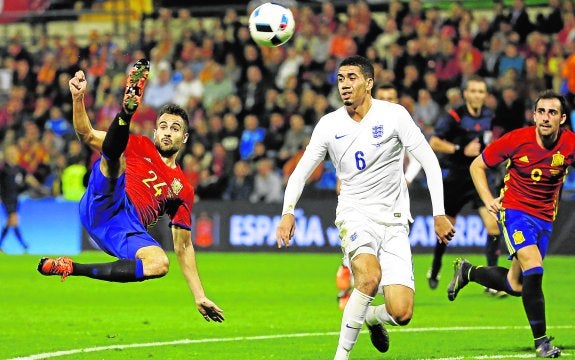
<point>437,258</point>
<point>492,250</point>
<point>493,277</point>
<point>534,302</point>
<point>117,136</point>
<point>123,270</point>
<point>353,318</point>
<point>379,315</point>
<point>341,354</point>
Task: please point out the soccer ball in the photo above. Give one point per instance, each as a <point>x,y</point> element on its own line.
<point>271,25</point>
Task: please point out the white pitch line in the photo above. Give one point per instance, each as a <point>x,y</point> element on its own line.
<point>283,336</point>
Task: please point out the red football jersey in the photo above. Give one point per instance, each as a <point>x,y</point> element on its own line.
<point>155,188</point>
<point>535,175</point>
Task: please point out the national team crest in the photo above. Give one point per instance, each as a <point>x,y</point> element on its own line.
<point>176,186</point>
<point>518,237</point>
<point>558,160</point>
<point>377,131</point>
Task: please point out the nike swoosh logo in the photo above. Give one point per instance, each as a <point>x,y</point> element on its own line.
<point>340,136</point>
<point>351,327</point>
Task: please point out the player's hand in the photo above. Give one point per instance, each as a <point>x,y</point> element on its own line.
<point>285,230</point>
<point>209,310</point>
<point>78,85</point>
<point>444,229</point>
<point>473,148</point>
<point>494,206</point>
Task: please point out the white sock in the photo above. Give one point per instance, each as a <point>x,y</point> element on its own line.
<point>341,353</point>
<point>352,319</point>
<point>379,315</point>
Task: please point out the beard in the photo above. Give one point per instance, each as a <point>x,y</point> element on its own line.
<point>348,102</point>
<point>166,153</point>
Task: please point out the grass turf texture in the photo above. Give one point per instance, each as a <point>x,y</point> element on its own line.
<point>289,297</point>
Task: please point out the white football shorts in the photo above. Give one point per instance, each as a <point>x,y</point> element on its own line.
<point>389,242</point>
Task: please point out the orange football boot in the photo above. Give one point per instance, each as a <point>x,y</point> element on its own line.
<point>60,266</point>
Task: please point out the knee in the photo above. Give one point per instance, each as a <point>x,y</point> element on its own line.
<point>367,284</point>
<point>157,266</point>
<point>403,316</point>
<point>404,319</point>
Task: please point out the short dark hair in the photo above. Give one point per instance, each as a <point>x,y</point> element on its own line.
<point>550,94</point>
<point>173,109</point>
<point>475,78</point>
<point>363,63</point>
<point>387,86</point>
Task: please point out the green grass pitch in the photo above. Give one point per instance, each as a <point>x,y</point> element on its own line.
<point>277,306</point>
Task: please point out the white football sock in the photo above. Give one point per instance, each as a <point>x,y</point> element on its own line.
<point>379,315</point>
<point>352,320</point>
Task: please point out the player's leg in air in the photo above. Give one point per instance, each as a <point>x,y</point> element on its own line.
<point>524,278</point>
<point>107,214</point>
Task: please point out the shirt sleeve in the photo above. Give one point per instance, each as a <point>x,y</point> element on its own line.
<point>426,157</point>
<point>312,156</point>
<point>409,133</point>
<point>498,151</point>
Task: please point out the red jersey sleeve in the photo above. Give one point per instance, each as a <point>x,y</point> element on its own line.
<point>500,150</point>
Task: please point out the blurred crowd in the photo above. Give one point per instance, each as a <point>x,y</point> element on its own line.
<point>252,109</point>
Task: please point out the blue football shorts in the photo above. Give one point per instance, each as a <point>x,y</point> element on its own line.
<point>520,229</point>
<point>110,218</point>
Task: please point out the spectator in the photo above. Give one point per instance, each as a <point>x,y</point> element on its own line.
<point>447,67</point>
<point>251,135</point>
<point>426,112</point>
<point>295,138</point>
<point>268,186</point>
<point>509,114</point>
<point>241,184</point>
<point>58,124</point>
<point>568,74</point>
<point>162,91</point>
<point>553,22</point>
<point>519,20</point>
<point>190,86</point>
<point>253,91</point>
<point>231,135</point>
<point>511,58</point>
<point>218,88</point>
<point>275,135</point>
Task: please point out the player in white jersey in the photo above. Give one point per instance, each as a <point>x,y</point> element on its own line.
<point>366,139</point>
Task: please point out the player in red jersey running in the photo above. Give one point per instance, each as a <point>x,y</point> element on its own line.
<point>131,185</point>
<point>538,158</point>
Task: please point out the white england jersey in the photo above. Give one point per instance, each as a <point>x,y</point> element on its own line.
<point>368,158</point>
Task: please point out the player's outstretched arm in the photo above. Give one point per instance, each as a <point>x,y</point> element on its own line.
<point>82,125</point>
<point>187,258</point>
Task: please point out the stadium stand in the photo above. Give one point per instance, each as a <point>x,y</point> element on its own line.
<point>205,56</point>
